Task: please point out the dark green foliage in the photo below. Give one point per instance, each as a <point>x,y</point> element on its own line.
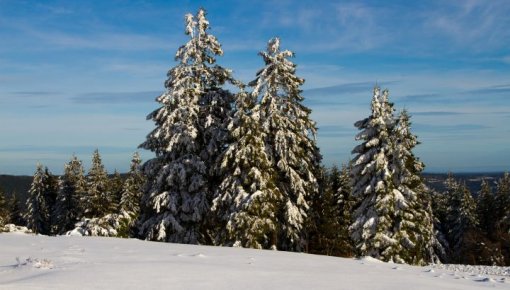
<point>68,207</point>
<point>15,212</point>
<point>98,200</point>
<point>130,197</point>
<point>37,215</point>
<point>486,205</point>
<point>51,188</point>
<point>461,220</point>
<point>503,204</point>
<point>4,210</point>
<point>115,187</point>
<point>328,233</point>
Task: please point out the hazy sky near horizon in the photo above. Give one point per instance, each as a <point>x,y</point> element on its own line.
<point>80,75</point>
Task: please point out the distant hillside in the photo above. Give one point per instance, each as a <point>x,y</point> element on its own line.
<point>473,180</point>
<point>15,184</point>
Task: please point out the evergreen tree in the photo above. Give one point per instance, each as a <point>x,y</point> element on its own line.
<point>290,141</point>
<point>461,219</point>
<point>130,198</point>
<point>503,204</point>
<point>4,210</point>
<point>115,188</point>
<point>187,139</point>
<point>486,205</point>
<point>68,209</point>
<point>414,222</point>
<point>133,187</point>
<point>327,236</point>
<point>98,200</point>
<point>247,200</point>
<point>374,214</point>
<point>343,188</point>
<point>51,189</point>
<point>15,212</point>
<point>37,215</point>
<point>439,210</point>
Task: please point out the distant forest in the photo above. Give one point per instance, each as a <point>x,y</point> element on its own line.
<point>20,184</point>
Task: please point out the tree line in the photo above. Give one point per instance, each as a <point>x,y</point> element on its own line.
<point>93,203</point>
<point>243,169</point>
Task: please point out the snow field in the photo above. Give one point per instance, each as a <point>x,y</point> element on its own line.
<point>67,262</point>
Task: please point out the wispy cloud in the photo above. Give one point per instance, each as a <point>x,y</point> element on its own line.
<point>497,89</point>
<point>460,128</point>
<point>116,97</point>
<point>476,23</point>
<point>35,93</point>
<point>437,113</point>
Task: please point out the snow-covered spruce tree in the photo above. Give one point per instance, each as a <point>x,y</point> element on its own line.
<point>503,204</point>
<point>98,200</point>
<point>290,141</point>
<point>326,235</point>
<point>247,199</point>
<point>51,188</point>
<point>68,209</point>
<point>131,194</point>
<point>133,186</point>
<point>37,215</point>
<point>461,220</point>
<point>440,213</point>
<point>486,205</point>
<point>187,140</point>
<point>115,187</point>
<point>374,214</point>
<point>346,203</point>
<point>414,223</point>
<point>15,212</point>
<point>4,209</point>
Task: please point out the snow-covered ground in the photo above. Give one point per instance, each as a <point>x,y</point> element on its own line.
<point>67,262</point>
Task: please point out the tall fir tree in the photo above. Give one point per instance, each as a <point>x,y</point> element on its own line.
<point>503,204</point>
<point>327,234</point>
<point>115,187</point>
<point>15,212</point>
<point>133,187</point>
<point>290,141</point>
<point>414,222</point>
<point>131,193</point>
<point>247,199</point>
<point>37,215</point>
<point>51,188</point>
<point>486,205</point>
<point>374,214</point>
<point>99,199</point>
<point>68,207</point>
<point>187,140</point>
<point>4,209</point>
<point>346,202</point>
<point>461,220</point>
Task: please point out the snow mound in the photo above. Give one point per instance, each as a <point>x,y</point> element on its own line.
<point>369,259</point>
<point>475,269</point>
<point>12,228</point>
<point>35,263</point>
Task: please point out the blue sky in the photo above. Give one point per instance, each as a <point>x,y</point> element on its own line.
<point>80,75</point>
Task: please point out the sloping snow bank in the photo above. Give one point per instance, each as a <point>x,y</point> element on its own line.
<point>68,262</point>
